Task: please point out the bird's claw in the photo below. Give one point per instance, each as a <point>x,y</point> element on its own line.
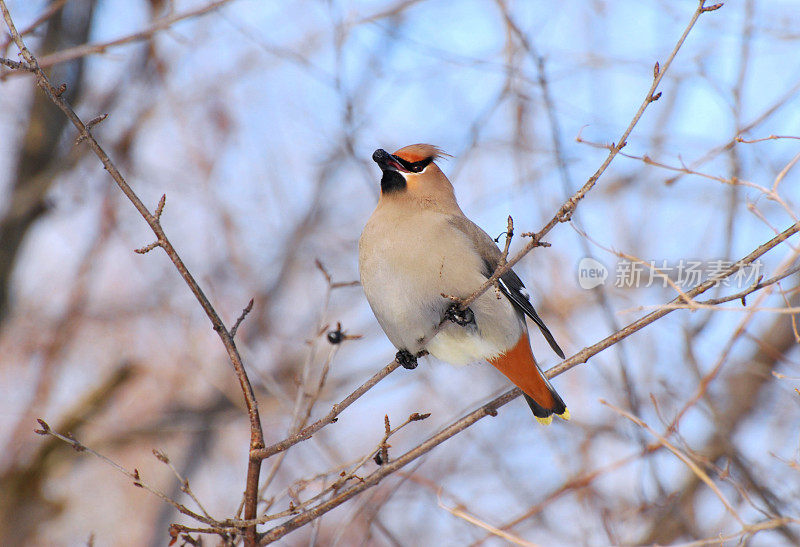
<point>406,359</point>
<point>461,317</point>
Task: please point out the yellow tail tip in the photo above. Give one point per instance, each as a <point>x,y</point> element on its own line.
<point>544,421</point>
<point>564,415</point>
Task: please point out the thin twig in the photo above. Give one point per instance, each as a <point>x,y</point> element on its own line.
<point>185,488</point>
<point>770,138</point>
<point>244,313</point>
<point>702,475</point>
<point>133,475</point>
<point>753,288</point>
<point>256,433</point>
<point>51,10</point>
<point>100,47</point>
<point>744,532</point>
<point>462,514</point>
<point>564,213</point>
<point>330,417</point>
<point>16,65</point>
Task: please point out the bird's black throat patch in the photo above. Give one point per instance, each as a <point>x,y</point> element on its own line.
<point>392,181</point>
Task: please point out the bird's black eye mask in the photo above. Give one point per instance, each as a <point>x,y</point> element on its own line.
<point>414,167</point>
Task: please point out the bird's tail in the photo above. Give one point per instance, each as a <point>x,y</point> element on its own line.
<point>520,367</point>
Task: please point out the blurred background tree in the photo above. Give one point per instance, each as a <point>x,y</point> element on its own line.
<point>258,121</point>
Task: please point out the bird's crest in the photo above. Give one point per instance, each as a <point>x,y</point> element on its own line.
<point>418,152</point>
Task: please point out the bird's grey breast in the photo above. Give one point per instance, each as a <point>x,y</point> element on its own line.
<point>398,263</point>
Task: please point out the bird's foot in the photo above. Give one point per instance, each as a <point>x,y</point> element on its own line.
<point>458,316</point>
<point>406,359</point>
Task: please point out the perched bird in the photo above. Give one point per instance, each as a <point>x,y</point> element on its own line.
<point>417,249</point>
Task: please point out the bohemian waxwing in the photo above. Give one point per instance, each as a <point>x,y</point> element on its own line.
<point>418,246</point>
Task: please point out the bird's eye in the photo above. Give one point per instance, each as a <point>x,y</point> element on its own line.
<point>419,166</point>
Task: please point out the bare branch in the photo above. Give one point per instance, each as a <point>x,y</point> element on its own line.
<point>244,313</point>
<point>16,65</point>
<point>256,433</point>
<point>702,475</point>
<point>565,211</point>
<point>490,409</point>
<point>331,417</point>
<point>133,475</point>
<point>101,47</point>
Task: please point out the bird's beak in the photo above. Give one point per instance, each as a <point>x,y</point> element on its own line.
<point>387,162</point>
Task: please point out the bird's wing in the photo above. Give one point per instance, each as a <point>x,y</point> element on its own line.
<point>510,283</point>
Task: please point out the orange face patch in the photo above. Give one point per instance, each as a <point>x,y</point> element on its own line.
<point>410,157</point>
